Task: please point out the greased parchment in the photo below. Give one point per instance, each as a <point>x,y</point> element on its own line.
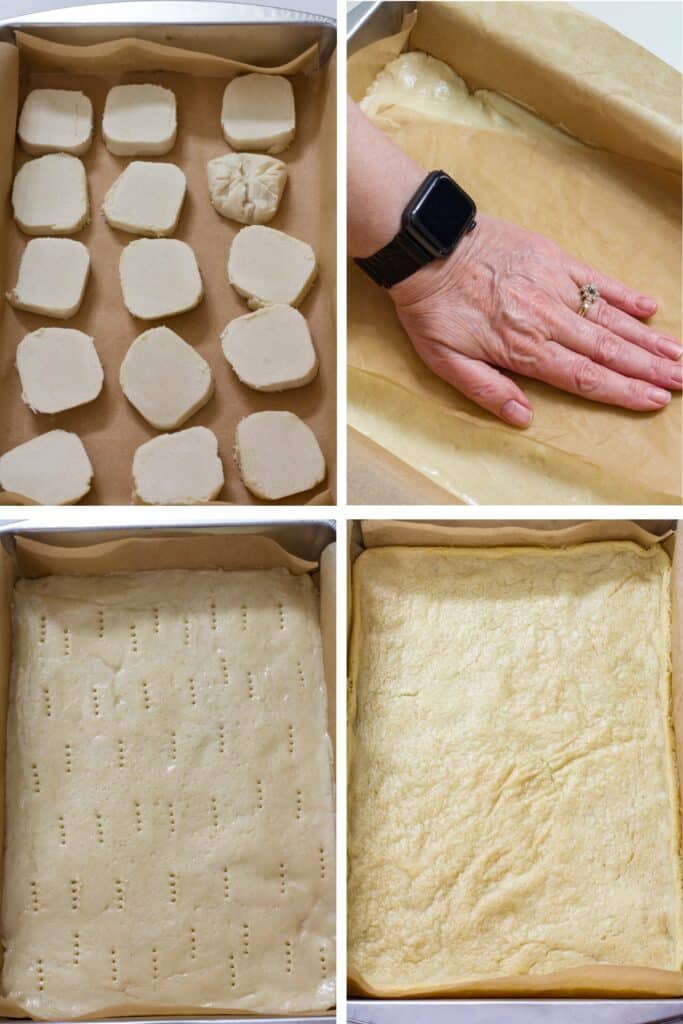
<point>614,203</point>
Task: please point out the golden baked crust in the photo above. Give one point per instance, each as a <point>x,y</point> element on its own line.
<point>513,800</point>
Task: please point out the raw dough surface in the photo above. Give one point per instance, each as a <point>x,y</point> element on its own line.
<point>56,121</point>
<point>146,199</point>
<point>159,277</point>
<point>246,187</point>
<point>53,273</point>
<point>258,113</point>
<point>271,349</point>
<point>277,454</point>
<point>513,796</point>
<point>59,368</point>
<point>267,267</point>
<point>178,469</point>
<point>139,120</point>
<point>165,378</point>
<point>52,469</point>
<point>169,797</point>
<point>50,195</point>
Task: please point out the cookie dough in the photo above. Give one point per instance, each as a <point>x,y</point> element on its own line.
<point>56,121</point>
<point>246,187</point>
<point>159,277</point>
<point>277,455</point>
<point>268,267</point>
<point>146,199</point>
<point>59,368</point>
<point>52,469</point>
<point>258,113</point>
<point>164,378</point>
<point>178,469</point>
<point>52,277</point>
<point>271,349</point>
<point>50,195</point>
<point>139,120</point>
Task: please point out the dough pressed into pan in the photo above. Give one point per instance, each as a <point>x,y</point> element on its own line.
<point>56,121</point>
<point>513,802</point>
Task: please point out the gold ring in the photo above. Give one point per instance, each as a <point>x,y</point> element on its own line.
<point>588,293</point>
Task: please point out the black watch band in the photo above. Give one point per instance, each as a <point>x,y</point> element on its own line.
<point>395,261</point>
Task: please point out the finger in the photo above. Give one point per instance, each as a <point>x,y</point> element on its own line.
<point>614,292</point>
<point>633,330</point>
<point>481,383</point>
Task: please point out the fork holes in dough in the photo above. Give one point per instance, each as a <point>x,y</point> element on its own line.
<point>133,638</point>
<point>281,614</point>
<point>47,702</point>
<point>67,642</point>
<point>250,685</point>
<point>290,738</point>
<point>233,971</point>
<point>62,830</point>
<point>212,612</point>
<point>42,635</point>
<point>36,778</point>
<point>259,795</point>
<point>173,886</point>
<point>35,900</point>
<point>243,617</point>
<point>289,957</point>
<point>100,623</point>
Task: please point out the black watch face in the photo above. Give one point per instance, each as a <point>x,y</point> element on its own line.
<point>440,214</point>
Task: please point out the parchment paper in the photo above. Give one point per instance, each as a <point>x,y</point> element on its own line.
<point>597,981</point>
<point>616,207</point>
<point>110,428</point>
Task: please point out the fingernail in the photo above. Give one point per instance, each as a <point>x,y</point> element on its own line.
<point>677,374</point>
<point>659,396</point>
<point>670,349</point>
<point>645,305</point>
<point>517,414</point>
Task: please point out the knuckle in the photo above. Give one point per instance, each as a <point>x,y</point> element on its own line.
<point>524,353</point>
<point>606,349</point>
<point>587,376</point>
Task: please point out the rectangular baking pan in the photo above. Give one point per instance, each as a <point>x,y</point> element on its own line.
<point>371,20</point>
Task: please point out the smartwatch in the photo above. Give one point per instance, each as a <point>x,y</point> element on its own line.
<point>434,221</point>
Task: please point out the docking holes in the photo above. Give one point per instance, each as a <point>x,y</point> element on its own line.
<point>36,778</point>
<point>290,738</point>
<point>233,970</point>
<point>67,641</point>
<point>193,692</point>
<point>300,672</point>
<point>99,826</point>
<point>133,638</point>
<point>35,901</point>
<point>186,630</point>
<point>174,747</point>
<point>100,623</point>
<point>299,805</point>
<point>68,758</point>
<point>289,957</point>
<point>226,884</point>
<point>250,685</point>
<point>155,963</point>
<point>146,699</point>
<point>212,613</point>
<point>42,634</point>
<point>281,614</point>
<point>76,949</point>
<point>323,863</point>
<point>95,701</point>
<point>47,702</point>
<point>75,894</point>
<point>171,818</point>
<point>259,795</point>
<point>214,812</point>
<point>193,943</point>
<point>224,669</point>
<point>121,754</point>
<point>221,739</point>
<point>120,894</point>
<point>40,974</point>
<point>62,830</point>
<point>245,940</point>
<point>113,960</point>
<point>283,880</point>
<point>243,617</point>
<point>138,816</point>
<point>323,961</point>
<point>173,886</point>
<point>155,613</point>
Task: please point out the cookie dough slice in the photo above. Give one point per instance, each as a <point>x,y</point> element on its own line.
<point>53,469</point>
<point>146,199</point>
<point>258,113</point>
<point>139,120</point>
<point>159,278</point>
<point>50,195</point>
<point>164,378</point>
<point>246,187</point>
<point>59,368</point>
<point>271,350</point>
<point>178,469</point>
<point>269,267</point>
<point>52,277</point>
<point>277,455</point>
<point>56,121</point>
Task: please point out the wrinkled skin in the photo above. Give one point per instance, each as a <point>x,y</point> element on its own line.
<point>508,298</point>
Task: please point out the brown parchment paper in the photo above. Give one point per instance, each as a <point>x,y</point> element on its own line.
<point>186,550</point>
<point>614,203</point>
<point>110,428</point>
<point>593,981</point>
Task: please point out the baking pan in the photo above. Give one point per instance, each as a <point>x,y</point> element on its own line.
<point>374,19</point>
<point>558,1011</point>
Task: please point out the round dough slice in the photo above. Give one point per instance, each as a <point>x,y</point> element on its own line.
<point>277,455</point>
<point>50,195</point>
<point>56,121</point>
<point>178,469</point>
<point>159,277</point>
<point>258,113</point>
<point>53,273</point>
<point>53,469</point>
<point>269,267</point>
<point>59,369</point>
<point>271,350</point>
<point>164,378</point>
<point>139,120</point>
<point>146,199</point>
<point>246,187</point>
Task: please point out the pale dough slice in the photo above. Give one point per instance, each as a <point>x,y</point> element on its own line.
<point>246,187</point>
<point>277,455</point>
<point>53,273</point>
<point>164,378</point>
<point>268,267</point>
<point>56,121</point>
<point>139,120</point>
<point>146,199</point>
<point>178,469</point>
<point>50,195</point>
<point>258,113</point>
<point>271,349</point>
<point>53,469</point>
<point>159,277</point>
<point>59,368</point>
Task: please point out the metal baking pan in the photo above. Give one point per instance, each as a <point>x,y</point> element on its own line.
<point>521,1011</point>
<point>369,21</point>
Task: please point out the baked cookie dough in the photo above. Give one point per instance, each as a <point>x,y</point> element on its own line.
<point>53,273</point>
<point>246,187</point>
<point>139,120</point>
<point>268,267</point>
<point>50,195</point>
<point>146,199</point>
<point>52,469</point>
<point>56,121</point>
<point>59,368</point>
<point>178,469</point>
<point>165,378</point>
<point>271,349</point>
<point>159,277</point>
<point>277,455</point>
<point>258,113</point>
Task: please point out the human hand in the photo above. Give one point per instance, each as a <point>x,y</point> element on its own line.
<point>509,298</point>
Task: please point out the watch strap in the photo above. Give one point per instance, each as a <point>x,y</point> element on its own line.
<point>396,261</point>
